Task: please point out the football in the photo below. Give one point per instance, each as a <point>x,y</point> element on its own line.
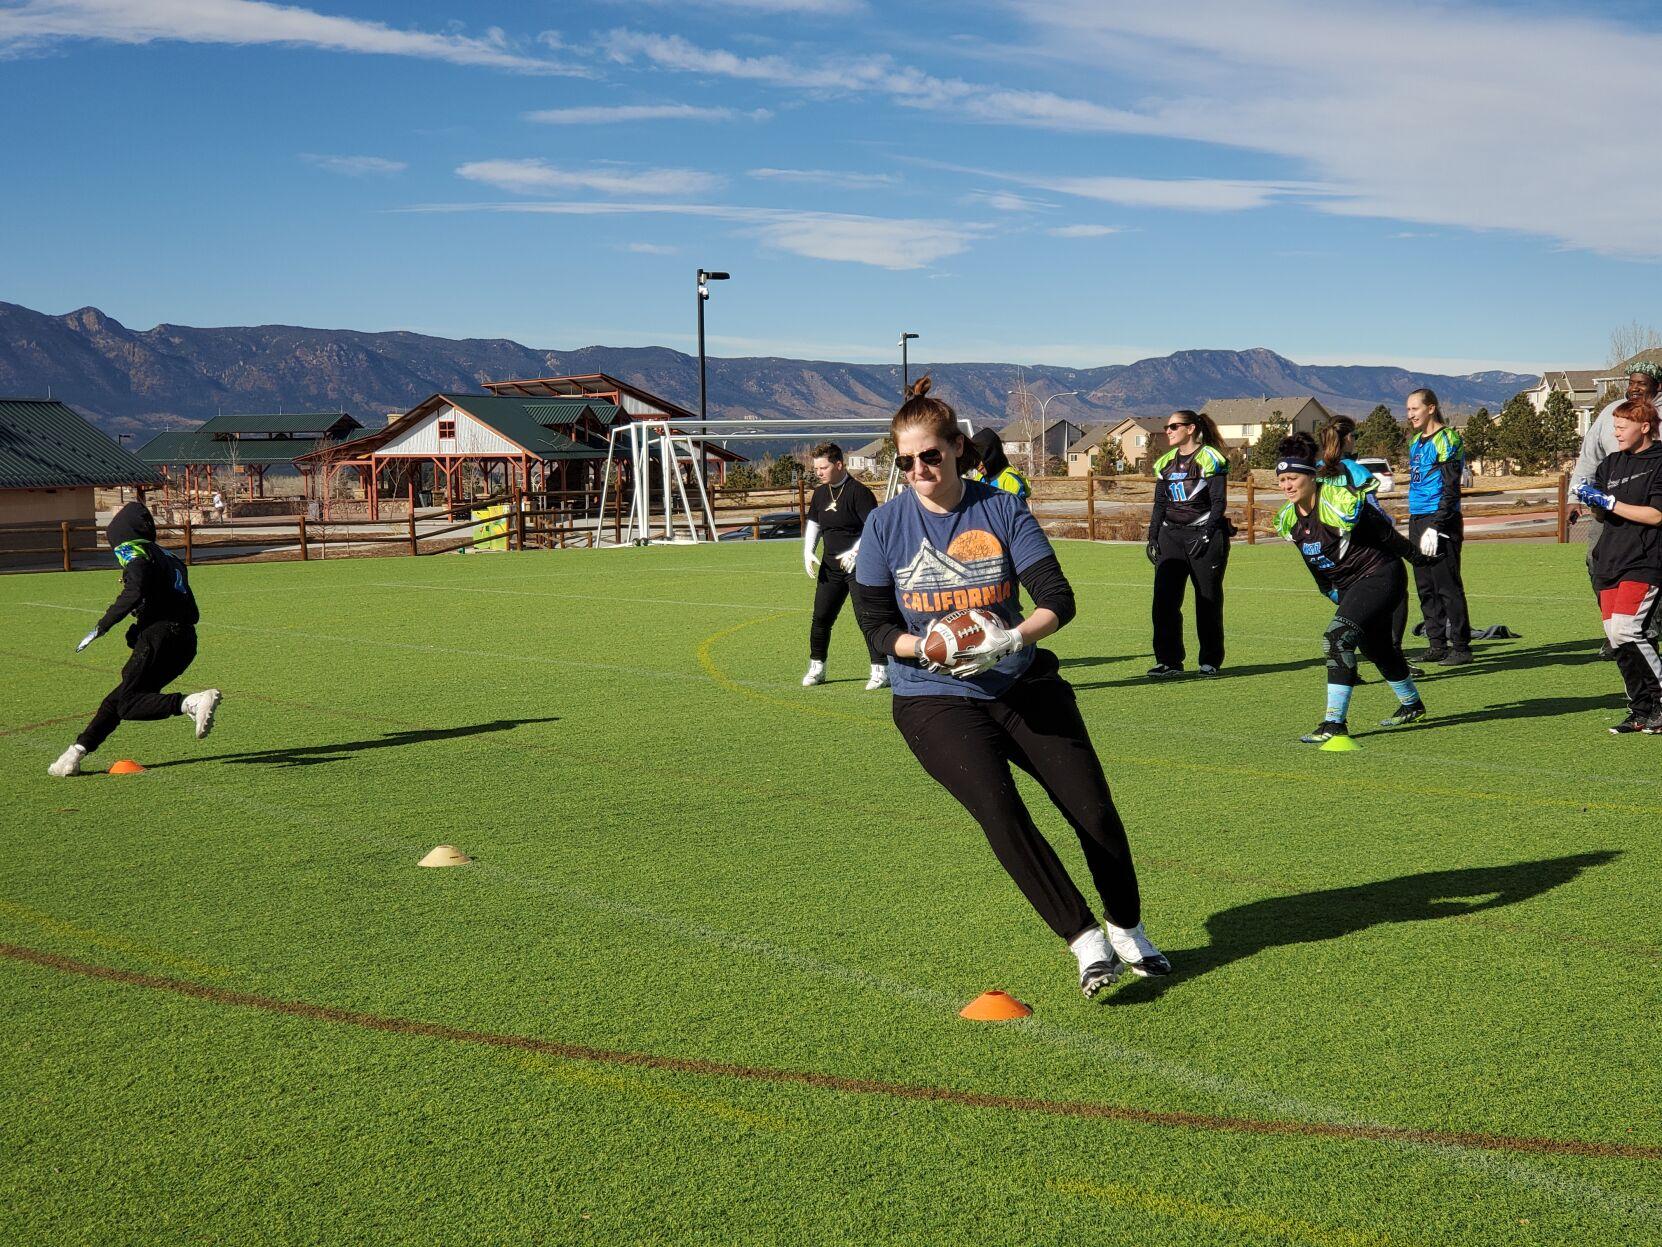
<point>951,635</point>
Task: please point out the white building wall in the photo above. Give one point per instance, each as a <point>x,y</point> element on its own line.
<point>472,438</point>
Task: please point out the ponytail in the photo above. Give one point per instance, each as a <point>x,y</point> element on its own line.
<point>1333,435</point>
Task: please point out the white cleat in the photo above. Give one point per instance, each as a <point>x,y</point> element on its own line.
<point>201,707</point>
<point>68,763</point>
<point>879,677</point>
<point>816,673</point>
<point>1133,947</point>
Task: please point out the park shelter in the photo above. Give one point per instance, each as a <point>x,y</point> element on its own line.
<point>246,446</point>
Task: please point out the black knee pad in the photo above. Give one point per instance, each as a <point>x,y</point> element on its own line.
<point>1339,644</point>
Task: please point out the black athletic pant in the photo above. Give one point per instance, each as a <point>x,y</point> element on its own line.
<point>160,655</point>
<point>967,745</point>
<point>830,592</point>
<point>1365,621</point>
<point>1176,569</point>
<point>1442,593</point>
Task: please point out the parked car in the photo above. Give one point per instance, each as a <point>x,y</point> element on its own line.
<point>1382,469</point>
<point>775,526</point>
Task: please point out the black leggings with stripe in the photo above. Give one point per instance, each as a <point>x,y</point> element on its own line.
<point>968,746</point>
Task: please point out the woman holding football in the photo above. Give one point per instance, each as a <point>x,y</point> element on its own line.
<point>936,585</point>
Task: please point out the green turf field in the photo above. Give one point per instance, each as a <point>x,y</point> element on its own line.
<point>683,854</point>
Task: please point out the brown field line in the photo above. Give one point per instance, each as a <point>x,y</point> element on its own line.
<point>834,1082</point>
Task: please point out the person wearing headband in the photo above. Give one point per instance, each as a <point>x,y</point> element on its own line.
<point>1644,385</point>
<point>1356,557</point>
<point>1188,541</point>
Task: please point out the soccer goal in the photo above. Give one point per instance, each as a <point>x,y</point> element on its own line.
<point>669,501</point>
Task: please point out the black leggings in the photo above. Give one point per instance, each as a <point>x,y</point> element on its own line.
<point>1448,625</point>
<point>1365,621</point>
<point>1176,569</point>
<point>967,745</point>
<point>160,655</point>
<point>830,592</point>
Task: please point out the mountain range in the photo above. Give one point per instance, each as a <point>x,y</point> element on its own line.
<point>174,376</point>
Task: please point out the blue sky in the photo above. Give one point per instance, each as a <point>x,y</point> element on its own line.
<point>1073,181</point>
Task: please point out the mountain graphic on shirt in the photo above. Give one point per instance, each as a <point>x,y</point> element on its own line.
<point>974,557</point>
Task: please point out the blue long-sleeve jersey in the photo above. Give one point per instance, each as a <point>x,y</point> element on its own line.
<point>1434,466</point>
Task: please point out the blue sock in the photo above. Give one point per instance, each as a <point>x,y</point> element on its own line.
<point>1405,690</point>
<point>1338,702</point>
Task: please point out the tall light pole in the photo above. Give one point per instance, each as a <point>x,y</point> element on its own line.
<point>704,278</point>
<point>905,370</point>
<point>1045,402</point>
<point>121,441</point>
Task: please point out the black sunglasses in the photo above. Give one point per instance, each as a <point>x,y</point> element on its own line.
<point>1170,427</point>
<point>931,457</point>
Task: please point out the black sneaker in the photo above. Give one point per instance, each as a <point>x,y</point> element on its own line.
<point>1406,714</point>
<point>1099,974</point>
<point>1415,673</point>
<point>1207,668</point>
<point>1434,655</point>
<point>1607,652</point>
<point>1323,732</point>
<point>1653,725</point>
<point>1633,723</point>
<point>1455,658</point>
<point>1160,671</point>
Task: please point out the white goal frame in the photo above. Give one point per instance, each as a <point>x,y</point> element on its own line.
<point>641,439</point>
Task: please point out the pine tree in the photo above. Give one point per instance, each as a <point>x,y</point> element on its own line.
<point>1523,436</point>
<point>1480,435</point>
<point>1380,435</point>
<point>1559,421</point>
<point>1262,454</point>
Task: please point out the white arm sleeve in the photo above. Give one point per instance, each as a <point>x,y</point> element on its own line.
<point>1597,446</point>
<point>810,539</point>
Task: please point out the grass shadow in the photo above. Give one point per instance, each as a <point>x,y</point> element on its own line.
<point>1535,708</point>
<point>1244,931</point>
<point>315,755</point>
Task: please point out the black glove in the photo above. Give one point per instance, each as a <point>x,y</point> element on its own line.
<point>1200,544</point>
<point>1153,550</point>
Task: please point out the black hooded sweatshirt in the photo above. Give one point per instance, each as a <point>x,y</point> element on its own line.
<point>991,448</point>
<point>154,583</point>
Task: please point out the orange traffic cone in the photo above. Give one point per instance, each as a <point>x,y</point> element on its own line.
<point>995,1006</point>
<point>125,766</point>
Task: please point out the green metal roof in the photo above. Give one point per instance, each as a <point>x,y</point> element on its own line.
<point>552,412</point>
<point>195,446</point>
<point>291,422</point>
<point>509,417</point>
<point>45,445</point>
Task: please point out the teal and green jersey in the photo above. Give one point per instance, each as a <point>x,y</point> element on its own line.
<point>1434,467</point>
<point>1009,480</point>
<point>1342,539</point>
<point>1188,484</point>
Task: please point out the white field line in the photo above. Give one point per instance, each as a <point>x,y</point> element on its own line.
<point>578,597</point>
<point>1572,1189</point>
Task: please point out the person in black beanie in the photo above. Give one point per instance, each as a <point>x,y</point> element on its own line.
<point>155,589</point>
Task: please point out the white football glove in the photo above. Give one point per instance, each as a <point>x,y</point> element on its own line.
<point>87,640</point>
<point>849,557</point>
<point>1431,542</point>
<point>810,539</point>
<point>997,643</point>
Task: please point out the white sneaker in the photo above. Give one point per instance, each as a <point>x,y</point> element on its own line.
<point>879,677</point>
<point>201,707</point>
<point>68,763</point>
<point>1138,951</point>
<point>816,673</point>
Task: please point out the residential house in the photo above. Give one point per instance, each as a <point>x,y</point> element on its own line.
<point>867,460</point>
<point>1025,444</point>
<point>1142,440</point>
<point>1241,420</point>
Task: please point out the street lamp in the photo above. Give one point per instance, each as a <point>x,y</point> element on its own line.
<point>704,278</point>
<point>905,372</point>
<point>121,441</point>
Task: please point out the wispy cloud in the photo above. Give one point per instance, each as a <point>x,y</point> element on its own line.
<point>1185,194</point>
<point>538,177</point>
<point>618,114</point>
<point>37,24</point>
<point>1008,201</point>
<point>355,166</point>
<point>650,248</point>
<point>828,177</point>
<point>787,8</point>
<point>1417,112</point>
<point>1083,231</point>
<point>882,242</point>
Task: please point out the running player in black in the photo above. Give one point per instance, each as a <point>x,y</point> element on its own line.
<point>837,512</point>
<point>155,588</point>
<point>949,544</point>
<point>1188,541</point>
<point>1356,558</point>
<point>1626,494</point>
